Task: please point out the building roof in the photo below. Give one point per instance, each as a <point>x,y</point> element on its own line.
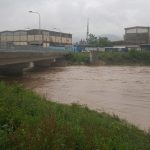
<point>35,30</point>
<point>143,27</point>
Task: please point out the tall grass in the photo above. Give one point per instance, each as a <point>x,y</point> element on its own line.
<point>78,58</point>
<point>112,58</point>
<point>130,58</point>
<point>28,121</point>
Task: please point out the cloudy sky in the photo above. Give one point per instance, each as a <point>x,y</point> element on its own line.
<point>107,17</point>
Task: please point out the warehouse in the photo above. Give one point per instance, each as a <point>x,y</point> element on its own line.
<point>43,38</point>
<point>137,35</point>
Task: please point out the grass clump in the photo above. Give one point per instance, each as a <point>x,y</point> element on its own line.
<point>125,58</point>
<point>28,121</point>
<point>112,58</point>
<point>78,58</point>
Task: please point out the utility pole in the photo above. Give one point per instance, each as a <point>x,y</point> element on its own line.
<point>87,35</point>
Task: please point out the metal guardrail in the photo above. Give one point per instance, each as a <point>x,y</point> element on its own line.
<point>28,48</point>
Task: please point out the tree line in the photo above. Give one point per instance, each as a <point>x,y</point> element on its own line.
<point>95,41</point>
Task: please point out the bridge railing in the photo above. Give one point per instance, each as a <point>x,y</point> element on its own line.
<point>34,48</point>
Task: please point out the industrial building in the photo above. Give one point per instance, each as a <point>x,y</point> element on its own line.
<point>43,38</point>
<point>137,35</point>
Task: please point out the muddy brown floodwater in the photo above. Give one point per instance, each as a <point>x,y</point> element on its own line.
<point>123,91</point>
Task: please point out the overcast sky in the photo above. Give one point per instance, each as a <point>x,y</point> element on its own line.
<point>106,16</point>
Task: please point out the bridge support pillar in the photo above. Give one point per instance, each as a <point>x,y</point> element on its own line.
<point>13,69</point>
<point>43,63</point>
<point>61,62</point>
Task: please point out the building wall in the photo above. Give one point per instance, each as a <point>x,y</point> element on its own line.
<point>36,38</point>
<point>131,31</point>
<point>20,43</point>
<point>142,30</point>
<point>30,37</point>
<point>137,35</point>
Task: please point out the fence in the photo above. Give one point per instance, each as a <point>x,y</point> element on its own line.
<point>9,47</point>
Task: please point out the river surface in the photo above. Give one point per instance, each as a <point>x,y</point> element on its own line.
<point>123,91</point>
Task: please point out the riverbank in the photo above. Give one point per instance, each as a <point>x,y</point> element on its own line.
<point>28,121</point>
<point>137,58</point>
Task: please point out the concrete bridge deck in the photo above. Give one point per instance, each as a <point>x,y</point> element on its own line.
<point>15,57</point>
<point>14,61</point>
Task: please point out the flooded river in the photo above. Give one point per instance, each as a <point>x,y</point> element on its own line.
<point>123,91</point>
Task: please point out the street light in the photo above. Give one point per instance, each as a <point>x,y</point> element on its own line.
<point>59,35</point>
<point>39,18</point>
<point>39,22</point>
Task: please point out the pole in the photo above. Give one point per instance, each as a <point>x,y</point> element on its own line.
<point>39,23</point>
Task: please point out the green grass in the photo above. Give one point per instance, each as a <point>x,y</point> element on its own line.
<point>112,58</point>
<point>28,121</point>
<point>78,58</point>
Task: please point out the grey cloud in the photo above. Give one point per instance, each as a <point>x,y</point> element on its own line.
<point>106,16</point>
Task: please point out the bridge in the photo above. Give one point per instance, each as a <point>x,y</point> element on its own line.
<point>14,61</point>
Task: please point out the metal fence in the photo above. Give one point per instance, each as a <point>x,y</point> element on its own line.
<point>7,47</point>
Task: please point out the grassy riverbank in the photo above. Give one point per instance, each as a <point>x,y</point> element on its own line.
<point>111,58</point>
<point>28,121</point>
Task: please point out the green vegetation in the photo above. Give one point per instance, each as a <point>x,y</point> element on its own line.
<point>78,58</point>
<point>28,121</point>
<point>112,58</point>
<point>130,58</point>
<point>98,41</point>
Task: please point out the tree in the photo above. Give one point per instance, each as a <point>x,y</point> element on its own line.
<point>98,41</point>
<point>104,42</point>
<point>92,40</point>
